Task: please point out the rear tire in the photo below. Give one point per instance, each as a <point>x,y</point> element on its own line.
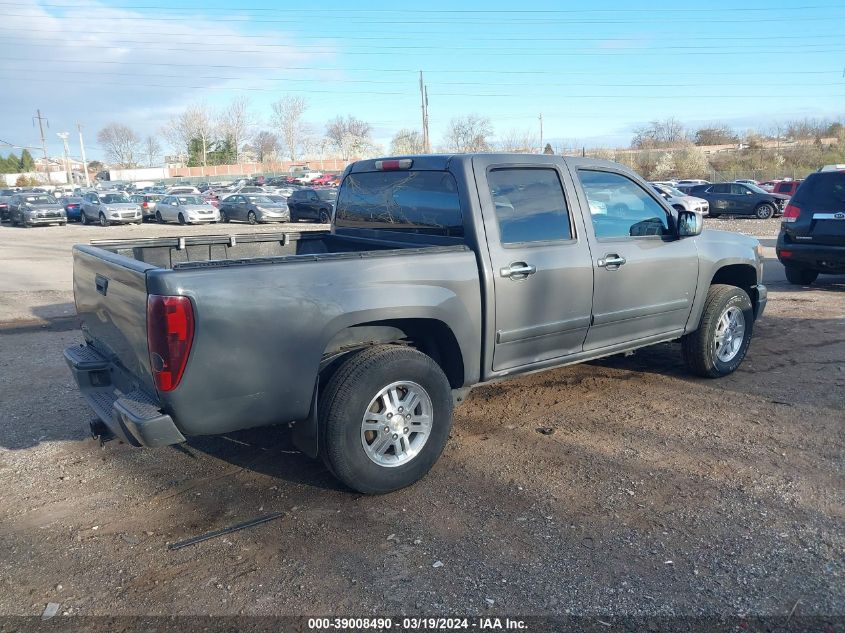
<point>713,351</point>
<point>800,276</point>
<point>357,449</point>
<point>764,211</point>
<point>713,215</point>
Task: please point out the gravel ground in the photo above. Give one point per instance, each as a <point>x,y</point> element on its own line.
<point>650,493</point>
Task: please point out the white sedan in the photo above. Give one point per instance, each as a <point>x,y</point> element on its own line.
<point>186,209</point>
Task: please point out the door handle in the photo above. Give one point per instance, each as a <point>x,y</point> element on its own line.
<point>611,261</point>
<point>102,284</point>
<point>518,270</point>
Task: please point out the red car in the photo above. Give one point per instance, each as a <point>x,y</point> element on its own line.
<point>326,179</point>
<point>787,187</point>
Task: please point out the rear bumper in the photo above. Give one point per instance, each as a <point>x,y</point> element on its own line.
<point>823,258</point>
<point>134,416</point>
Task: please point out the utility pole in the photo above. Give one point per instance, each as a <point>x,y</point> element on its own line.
<point>82,150</point>
<point>542,147</point>
<point>63,136</point>
<point>41,120</point>
<point>424,108</point>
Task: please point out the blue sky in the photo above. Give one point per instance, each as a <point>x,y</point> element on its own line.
<point>595,70</point>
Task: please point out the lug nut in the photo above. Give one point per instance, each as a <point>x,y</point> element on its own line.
<point>401,409</point>
<point>395,436</point>
<point>408,417</point>
<point>406,430</point>
<point>386,429</point>
<point>389,415</point>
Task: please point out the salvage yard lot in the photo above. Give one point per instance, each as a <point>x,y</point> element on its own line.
<point>648,491</point>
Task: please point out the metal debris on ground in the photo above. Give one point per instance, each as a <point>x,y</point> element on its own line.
<point>228,530</point>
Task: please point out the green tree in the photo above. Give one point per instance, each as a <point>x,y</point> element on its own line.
<point>9,165</point>
<point>26,162</point>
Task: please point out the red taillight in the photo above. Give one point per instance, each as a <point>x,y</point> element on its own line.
<point>146,205</point>
<point>785,253</point>
<point>170,332</point>
<point>791,213</point>
<point>393,165</point>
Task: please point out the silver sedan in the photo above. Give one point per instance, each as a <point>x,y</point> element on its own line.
<point>186,209</point>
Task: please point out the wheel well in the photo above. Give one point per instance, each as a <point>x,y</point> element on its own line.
<point>430,336</point>
<point>740,275</point>
<point>678,207</point>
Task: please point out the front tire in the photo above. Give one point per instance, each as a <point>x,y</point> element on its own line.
<point>325,216</point>
<point>224,217</point>
<point>159,217</point>
<point>252,218</point>
<point>800,276</point>
<point>764,211</point>
<point>721,341</point>
<point>103,220</point>
<point>385,417</point>
<point>83,219</point>
<point>182,219</point>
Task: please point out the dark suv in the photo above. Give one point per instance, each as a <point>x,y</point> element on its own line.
<point>735,198</point>
<point>812,233</point>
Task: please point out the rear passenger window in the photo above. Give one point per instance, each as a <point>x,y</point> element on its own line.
<point>619,207</point>
<point>530,205</point>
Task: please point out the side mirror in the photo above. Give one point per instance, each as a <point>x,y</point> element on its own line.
<point>690,223</point>
<point>749,193</point>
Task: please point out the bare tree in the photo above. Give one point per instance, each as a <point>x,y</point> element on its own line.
<point>660,134</point>
<point>120,143</point>
<point>469,134</point>
<point>287,113</point>
<point>152,150</point>
<point>265,145</point>
<point>521,141</point>
<point>235,122</point>
<point>351,136</point>
<point>194,123</point>
<point>715,135</point>
<point>407,141</point>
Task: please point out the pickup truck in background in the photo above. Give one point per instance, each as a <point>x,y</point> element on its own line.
<point>438,273</point>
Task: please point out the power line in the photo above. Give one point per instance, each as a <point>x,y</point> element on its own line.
<point>404,37</point>
<point>393,82</point>
<point>615,95</point>
<point>510,51</point>
<point>357,19</point>
<point>412,10</point>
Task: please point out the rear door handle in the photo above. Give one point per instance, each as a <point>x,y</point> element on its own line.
<point>611,261</point>
<point>518,270</point>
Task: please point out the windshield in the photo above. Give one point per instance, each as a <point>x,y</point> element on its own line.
<point>191,200</point>
<point>670,190</point>
<point>327,194</point>
<point>259,199</point>
<point>115,198</point>
<point>755,188</point>
<point>41,198</point>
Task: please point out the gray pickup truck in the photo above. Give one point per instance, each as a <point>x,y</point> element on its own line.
<point>438,273</point>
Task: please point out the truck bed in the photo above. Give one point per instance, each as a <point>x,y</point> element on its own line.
<point>266,307</point>
<point>226,250</point>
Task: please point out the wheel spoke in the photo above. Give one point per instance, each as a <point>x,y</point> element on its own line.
<point>381,444</point>
<point>375,419</point>
<point>412,399</point>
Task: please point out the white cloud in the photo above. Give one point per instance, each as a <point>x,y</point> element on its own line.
<point>95,64</point>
